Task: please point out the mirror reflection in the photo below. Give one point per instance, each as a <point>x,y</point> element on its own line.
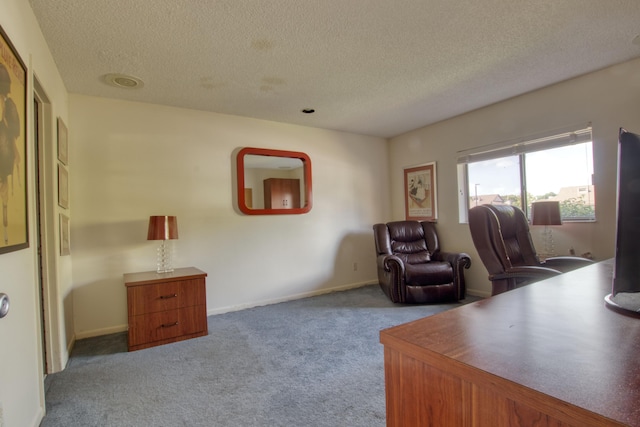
<point>273,182</point>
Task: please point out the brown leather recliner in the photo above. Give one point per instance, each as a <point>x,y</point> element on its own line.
<point>411,266</point>
<point>501,236</point>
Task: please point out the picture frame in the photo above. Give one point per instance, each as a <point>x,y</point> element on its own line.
<point>63,187</point>
<point>14,231</point>
<point>63,142</point>
<point>65,245</point>
<point>421,192</point>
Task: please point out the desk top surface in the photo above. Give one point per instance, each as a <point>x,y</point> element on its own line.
<point>555,336</point>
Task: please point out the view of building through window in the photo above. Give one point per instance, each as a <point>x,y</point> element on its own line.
<point>563,174</point>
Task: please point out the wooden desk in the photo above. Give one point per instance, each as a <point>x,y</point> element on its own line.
<point>548,354</point>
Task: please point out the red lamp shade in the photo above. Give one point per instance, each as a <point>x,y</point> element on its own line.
<point>163,228</point>
<point>545,213</point>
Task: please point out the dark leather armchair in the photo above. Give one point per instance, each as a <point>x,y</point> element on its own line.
<point>411,266</point>
<point>501,236</point>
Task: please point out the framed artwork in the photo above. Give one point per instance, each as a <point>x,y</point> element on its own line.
<point>63,147</point>
<point>13,148</point>
<point>65,247</point>
<point>63,187</point>
<point>420,192</point>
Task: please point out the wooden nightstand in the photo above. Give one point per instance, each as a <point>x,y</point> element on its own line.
<point>166,307</point>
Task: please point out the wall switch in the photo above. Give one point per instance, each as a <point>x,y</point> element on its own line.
<point>355,266</point>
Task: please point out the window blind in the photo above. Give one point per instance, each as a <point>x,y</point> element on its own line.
<point>525,145</point>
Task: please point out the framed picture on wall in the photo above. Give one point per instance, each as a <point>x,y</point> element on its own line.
<point>65,247</point>
<point>63,143</point>
<point>63,187</point>
<point>13,150</point>
<point>420,192</point>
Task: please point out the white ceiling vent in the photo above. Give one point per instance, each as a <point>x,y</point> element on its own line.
<point>123,81</point>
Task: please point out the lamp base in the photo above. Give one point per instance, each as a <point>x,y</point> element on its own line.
<point>547,241</point>
<point>624,302</point>
<point>165,257</point>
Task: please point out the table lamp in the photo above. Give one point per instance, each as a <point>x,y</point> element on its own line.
<point>546,213</point>
<point>164,228</point>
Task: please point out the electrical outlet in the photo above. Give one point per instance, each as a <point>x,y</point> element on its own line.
<point>355,266</point>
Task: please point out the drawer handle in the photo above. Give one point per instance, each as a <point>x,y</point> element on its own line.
<point>168,296</point>
<point>168,325</point>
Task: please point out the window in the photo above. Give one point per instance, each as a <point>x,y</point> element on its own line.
<point>558,167</point>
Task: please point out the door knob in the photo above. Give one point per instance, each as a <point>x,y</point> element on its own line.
<point>4,305</point>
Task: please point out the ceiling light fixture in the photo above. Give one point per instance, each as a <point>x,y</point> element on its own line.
<point>123,81</point>
<point>308,110</point>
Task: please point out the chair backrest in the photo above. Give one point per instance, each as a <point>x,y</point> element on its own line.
<point>412,241</point>
<point>501,236</point>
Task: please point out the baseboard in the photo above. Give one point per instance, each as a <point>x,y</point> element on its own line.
<point>229,309</point>
<point>478,293</point>
<point>99,332</point>
<point>70,345</point>
<point>37,419</point>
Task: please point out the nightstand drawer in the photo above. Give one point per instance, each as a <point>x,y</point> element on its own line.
<point>159,326</point>
<point>165,296</point>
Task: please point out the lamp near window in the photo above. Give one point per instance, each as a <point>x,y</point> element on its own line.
<point>164,228</point>
<point>546,213</point>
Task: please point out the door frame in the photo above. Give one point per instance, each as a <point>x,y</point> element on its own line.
<point>50,303</point>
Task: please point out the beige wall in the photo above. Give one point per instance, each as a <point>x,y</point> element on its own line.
<point>132,160</point>
<point>609,99</point>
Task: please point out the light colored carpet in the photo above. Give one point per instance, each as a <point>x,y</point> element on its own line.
<point>311,362</point>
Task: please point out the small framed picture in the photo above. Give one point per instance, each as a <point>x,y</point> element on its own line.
<point>420,192</point>
<point>65,246</point>
<point>63,187</point>
<point>63,142</point>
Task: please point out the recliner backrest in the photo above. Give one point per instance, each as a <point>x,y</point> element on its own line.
<point>408,243</point>
<point>412,241</point>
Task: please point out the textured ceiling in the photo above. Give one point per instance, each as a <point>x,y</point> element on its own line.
<point>373,67</point>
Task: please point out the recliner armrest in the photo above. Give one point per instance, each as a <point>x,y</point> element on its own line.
<point>391,276</point>
<point>453,258</point>
<point>390,262</point>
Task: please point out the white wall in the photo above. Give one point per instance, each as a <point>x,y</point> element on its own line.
<point>21,372</point>
<point>609,99</point>
<point>132,160</point>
